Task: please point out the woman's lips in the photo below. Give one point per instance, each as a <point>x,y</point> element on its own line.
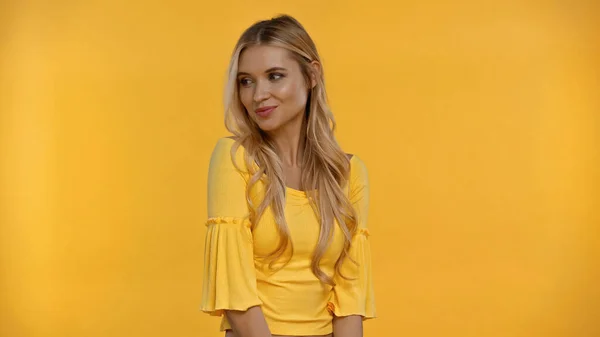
<point>265,111</point>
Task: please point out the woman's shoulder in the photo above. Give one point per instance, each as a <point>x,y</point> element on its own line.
<point>222,146</point>
<point>358,170</point>
<point>221,153</point>
<point>355,161</point>
<point>226,143</point>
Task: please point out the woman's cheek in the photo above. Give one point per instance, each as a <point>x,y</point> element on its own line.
<point>283,90</point>
<point>294,95</point>
<point>246,99</point>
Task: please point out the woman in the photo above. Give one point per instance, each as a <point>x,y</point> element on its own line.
<point>286,251</point>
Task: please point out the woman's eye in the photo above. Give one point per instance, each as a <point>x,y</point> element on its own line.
<point>245,82</point>
<point>275,76</point>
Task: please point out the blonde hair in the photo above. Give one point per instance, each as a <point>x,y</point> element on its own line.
<point>326,168</point>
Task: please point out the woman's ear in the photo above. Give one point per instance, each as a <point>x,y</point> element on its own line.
<point>315,73</point>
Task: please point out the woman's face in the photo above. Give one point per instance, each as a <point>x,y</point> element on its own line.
<point>272,87</point>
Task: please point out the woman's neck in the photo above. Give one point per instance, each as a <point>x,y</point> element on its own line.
<point>290,143</point>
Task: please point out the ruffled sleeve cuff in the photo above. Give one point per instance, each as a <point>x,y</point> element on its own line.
<point>229,277</point>
<point>355,296</point>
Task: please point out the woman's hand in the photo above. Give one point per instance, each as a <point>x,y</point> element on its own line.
<point>348,326</point>
<point>249,323</point>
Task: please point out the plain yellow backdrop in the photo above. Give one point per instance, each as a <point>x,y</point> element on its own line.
<point>479,122</point>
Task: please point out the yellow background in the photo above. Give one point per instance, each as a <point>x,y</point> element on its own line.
<point>479,123</point>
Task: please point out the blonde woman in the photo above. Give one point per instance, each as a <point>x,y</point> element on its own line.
<point>287,250</point>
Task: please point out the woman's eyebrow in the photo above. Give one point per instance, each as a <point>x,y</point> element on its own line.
<point>270,70</point>
<point>275,69</point>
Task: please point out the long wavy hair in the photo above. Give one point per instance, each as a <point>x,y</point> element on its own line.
<point>325,167</point>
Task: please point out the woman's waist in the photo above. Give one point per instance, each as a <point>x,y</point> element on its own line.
<point>299,292</point>
<point>301,303</point>
<point>291,282</point>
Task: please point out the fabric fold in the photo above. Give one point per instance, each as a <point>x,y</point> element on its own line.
<point>355,296</point>
<point>229,271</point>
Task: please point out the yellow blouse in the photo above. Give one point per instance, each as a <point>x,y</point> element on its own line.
<point>292,299</point>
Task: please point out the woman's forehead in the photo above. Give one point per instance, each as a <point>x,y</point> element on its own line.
<point>258,59</point>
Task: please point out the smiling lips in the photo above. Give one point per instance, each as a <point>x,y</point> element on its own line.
<point>265,111</point>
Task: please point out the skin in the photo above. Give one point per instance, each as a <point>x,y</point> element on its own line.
<point>269,76</point>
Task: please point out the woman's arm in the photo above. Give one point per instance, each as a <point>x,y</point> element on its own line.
<point>249,323</point>
<point>347,326</point>
<point>229,276</point>
<point>353,299</point>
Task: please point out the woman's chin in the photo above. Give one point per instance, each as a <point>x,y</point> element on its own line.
<point>268,126</point>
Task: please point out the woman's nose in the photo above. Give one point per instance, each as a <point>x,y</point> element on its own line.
<point>261,92</point>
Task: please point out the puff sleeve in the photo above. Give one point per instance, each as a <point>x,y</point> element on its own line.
<point>356,296</point>
<point>229,277</point>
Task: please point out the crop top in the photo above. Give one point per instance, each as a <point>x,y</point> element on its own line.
<point>293,300</point>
